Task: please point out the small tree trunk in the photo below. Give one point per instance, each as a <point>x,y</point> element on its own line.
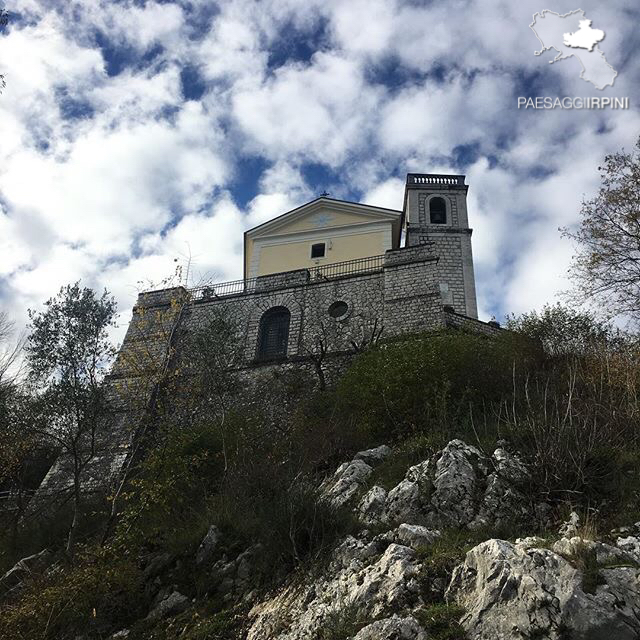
<point>320,372</point>
<point>71,540</point>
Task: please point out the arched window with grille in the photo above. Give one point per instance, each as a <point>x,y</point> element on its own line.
<point>437,211</point>
<point>273,334</point>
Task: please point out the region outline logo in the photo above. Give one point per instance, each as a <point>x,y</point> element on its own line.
<point>571,35</point>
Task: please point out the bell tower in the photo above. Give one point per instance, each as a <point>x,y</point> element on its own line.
<point>435,214</point>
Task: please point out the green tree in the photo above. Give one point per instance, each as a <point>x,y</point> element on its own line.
<point>68,352</point>
<point>606,267</point>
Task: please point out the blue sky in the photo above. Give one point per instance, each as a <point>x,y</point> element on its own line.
<point>136,133</point>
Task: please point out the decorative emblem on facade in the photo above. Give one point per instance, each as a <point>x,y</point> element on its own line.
<point>320,220</point>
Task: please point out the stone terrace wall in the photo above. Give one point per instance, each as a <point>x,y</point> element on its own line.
<point>456,321</point>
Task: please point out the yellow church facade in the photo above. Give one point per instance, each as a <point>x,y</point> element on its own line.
<point>323,231</point>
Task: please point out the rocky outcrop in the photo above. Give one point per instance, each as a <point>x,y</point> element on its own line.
<point>416,536</point>
<point>374,457</point>
<point>208,546</point>
<point>370,578</point>
<point>515,591</point>
<point>230,579</point>
<point>388,581</point>
<point>351,477</point>
<point>346,482</point>
<point>394,628</point>
<point>457,487</point>
<point>371,509</point>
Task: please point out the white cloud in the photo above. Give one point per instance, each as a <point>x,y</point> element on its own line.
<point>322,112</point>
<point>389,194</point>
<point>114,197</point>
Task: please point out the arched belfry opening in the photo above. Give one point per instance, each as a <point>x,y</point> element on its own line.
<point>273,334</point>
<point>437,211</point>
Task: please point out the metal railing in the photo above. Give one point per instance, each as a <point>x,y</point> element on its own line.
<point>347,268</point>
<point>286,279</point>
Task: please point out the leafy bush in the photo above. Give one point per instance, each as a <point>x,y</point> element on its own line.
<point>564,331</point>
<point>100,592</point>
<point>165,501</point>
<point>433,382</point>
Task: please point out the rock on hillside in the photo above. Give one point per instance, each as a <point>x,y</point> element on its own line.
<point>515,591</point>
<point>366,578</point>
<point>374,577</point>
<point>457,487</point>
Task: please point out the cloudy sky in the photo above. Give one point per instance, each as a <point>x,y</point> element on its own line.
<point>136,133</point>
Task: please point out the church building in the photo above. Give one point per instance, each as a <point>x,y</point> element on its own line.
<point>340,269</point>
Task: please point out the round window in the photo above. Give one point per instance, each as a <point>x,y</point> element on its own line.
<point>338,309</point>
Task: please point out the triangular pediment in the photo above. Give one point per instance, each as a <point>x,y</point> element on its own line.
<point>324,213</point>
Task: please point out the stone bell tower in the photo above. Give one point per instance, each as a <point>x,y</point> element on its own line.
<point>435,209</point>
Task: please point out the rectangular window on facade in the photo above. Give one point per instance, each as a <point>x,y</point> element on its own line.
<point>318,250</point>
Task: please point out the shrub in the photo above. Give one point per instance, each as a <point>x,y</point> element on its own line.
<point>165,500</point>
<point>429,382</point>
<point>257,484</point>
<point>100,592</point>
<point>563,331</point>
<point>578,422</point>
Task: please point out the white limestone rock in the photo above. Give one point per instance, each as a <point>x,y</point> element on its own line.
<point>345,483</point>
<point>374,457</point>
<point>371,509</point>
<point>509,466</point>
<point>503,501</point>
<point>455,485</point>
<point>510,591</point>
<point>357,580</point>
<point>631,546</point>
<point>416,536</point>
<point>604,554</point>
<point>393,628</point>
<point>530,542</point>
<point>459,486</point>
<point>208,546</point>
<point>408,501</point>
<point>405,503</point>
<point>421,473</point>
